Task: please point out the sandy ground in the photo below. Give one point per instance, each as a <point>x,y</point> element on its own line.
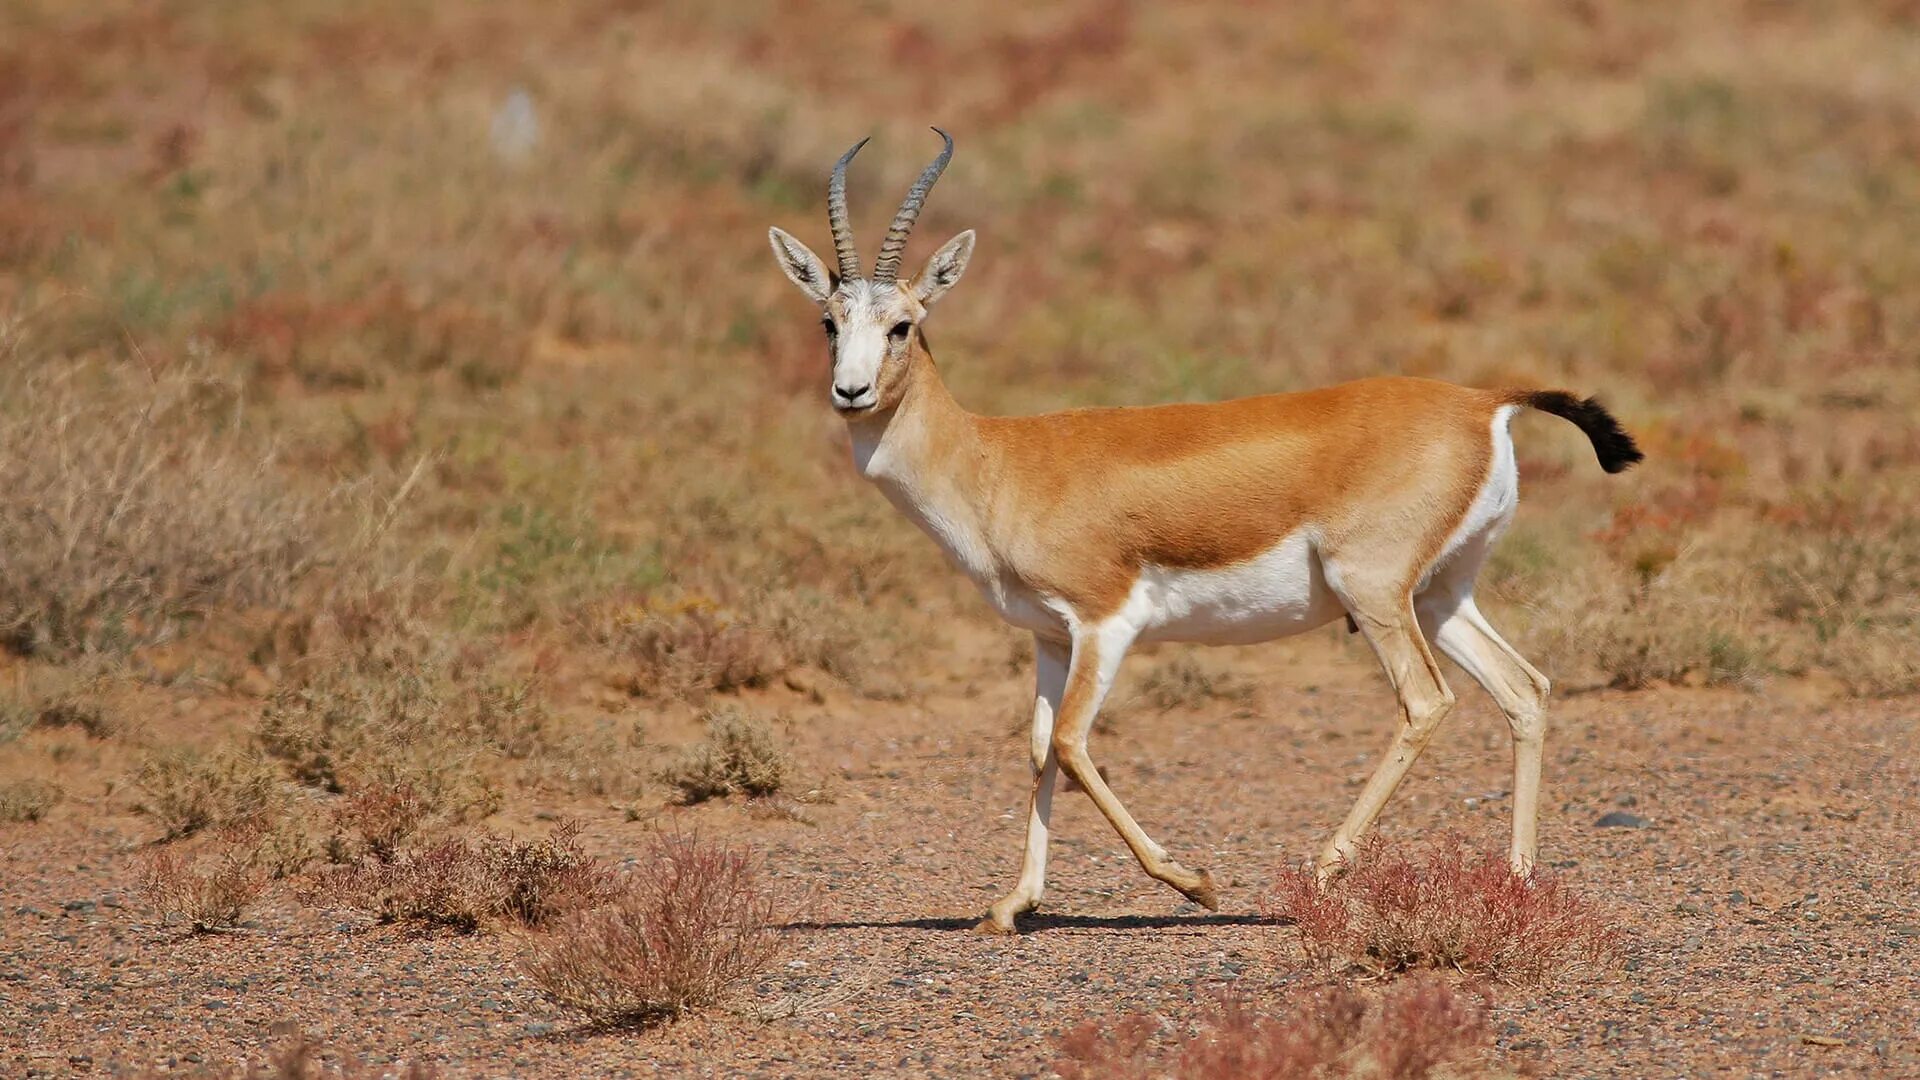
<point>1772,897</point>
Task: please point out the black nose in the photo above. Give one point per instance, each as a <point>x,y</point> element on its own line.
<point>851,395</point>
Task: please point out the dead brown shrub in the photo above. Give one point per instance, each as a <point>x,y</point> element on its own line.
<point>131,505</point>
<point>740,756</point>
<point>694,651</point>
<point>379,819</point>
<point>463,885</point>
<point>209,890</point>
<point>692,923</point>
<point>421,723</point>
<point>1444,907</point>
<point>1183,682</point>
<point>188,790</point>
<point>1420,1028</point>
<point>27,800</point>
<point>303,1059</point>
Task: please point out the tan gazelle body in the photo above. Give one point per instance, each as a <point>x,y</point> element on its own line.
<point>1233,522</point>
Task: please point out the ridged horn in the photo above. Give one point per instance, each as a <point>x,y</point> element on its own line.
<point>837,215</point>
<point>887,266</point>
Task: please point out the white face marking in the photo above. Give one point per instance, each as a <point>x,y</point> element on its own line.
<point>864,316</point>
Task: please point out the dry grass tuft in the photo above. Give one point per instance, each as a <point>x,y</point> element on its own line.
<point>27,800</point>
<point>208,890</point>
<point>462,885</point>
<point>1419,1028</point>
<point>692,651</point>
<point>131,506</point>
<point>1184,682</point>
<point>691,924</point>
<point>406,719</point>
<point>377,820</point>
<point>740,756</point>
<point>188,790</point>
<point>1445,907</point>
<point>48,697</point>
<point>304,1059</point>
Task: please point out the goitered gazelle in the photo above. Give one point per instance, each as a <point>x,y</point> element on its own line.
<point>1231,522</point>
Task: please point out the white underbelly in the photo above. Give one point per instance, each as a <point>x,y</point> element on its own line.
<point>1279,592</point>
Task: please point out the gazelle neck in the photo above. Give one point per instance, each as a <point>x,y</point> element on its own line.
<point>926,455</point>
<point>907,445</point>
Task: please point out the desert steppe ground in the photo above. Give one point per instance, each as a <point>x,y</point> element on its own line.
<point>407,440</point>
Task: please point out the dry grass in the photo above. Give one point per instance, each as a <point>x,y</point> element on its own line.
<point>407,717</point>
<point>303,1059</point>
<point>739,756</point>
<point>1418,1028</point>
<point>1443,907</point>
<point>134,505</point>
<point>53,697</point>
<point>1187,682</point>
<point>375,822</point>
<point>209,889</point>
<point>27,800</point>
<point>465,885</point>
<point>694,922</point>
<point>188,790</point>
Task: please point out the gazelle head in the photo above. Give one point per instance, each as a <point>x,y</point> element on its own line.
<point>872,323</point>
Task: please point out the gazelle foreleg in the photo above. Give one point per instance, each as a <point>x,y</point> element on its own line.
<point>1050,659</point>
<point>1521,692</point>
<point>1097,651</point>
<point>1425,701</point>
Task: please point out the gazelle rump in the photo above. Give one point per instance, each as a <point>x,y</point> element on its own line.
<point>1232,522</point>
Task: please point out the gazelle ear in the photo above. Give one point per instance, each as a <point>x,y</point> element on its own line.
<point>802,266</point>
<point>943,269</point>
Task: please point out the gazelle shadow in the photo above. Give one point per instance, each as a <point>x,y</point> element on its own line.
<point>1030,924</point>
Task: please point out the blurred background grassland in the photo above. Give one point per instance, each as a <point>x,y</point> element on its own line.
<point>344,341</point>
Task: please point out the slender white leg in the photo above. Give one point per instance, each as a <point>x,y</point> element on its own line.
<point>1391,628</point>
<point>1521,692</point>
<point>1050,682</point>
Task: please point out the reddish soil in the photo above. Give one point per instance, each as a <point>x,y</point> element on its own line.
<point>1771,900</point>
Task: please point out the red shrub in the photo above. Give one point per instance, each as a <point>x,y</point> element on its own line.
<point>1416,1029</point>
<point>458,884</point>
<point>1444,908</point>
<point>692,923</point>
<point>210,892</point>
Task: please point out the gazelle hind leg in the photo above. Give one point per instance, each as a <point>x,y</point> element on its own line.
<point>1050,661</point>
<point>1391,628</point>
<point>1096,658</point>
<point>1521,692</point>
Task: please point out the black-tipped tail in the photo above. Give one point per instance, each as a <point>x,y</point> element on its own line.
<point>1611,443</point>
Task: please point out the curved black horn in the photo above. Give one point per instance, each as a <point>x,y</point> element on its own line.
<point>887,266</point>
<point>837,215</point>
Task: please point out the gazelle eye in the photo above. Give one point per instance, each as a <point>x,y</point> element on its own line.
<point>899,331</point>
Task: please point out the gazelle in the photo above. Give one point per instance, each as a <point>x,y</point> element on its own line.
<point>1231,522</point>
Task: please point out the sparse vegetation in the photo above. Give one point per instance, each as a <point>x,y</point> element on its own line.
<point>739,756</point>
<point>188,790</point>
<point>1418,1028</point>
<point>209,890</point>
<point>395,476</point>
<point>27,800</point>
<point>133,506</point>
<point>690,924</point>
<point>1443,907</point>
<point>464,885</point>
<point>304,1059</point>
<point>1186,682</point>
